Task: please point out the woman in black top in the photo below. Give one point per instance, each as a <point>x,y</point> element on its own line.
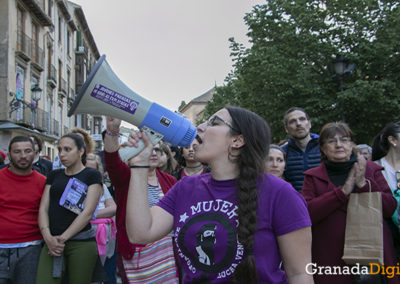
<point>68,235</point>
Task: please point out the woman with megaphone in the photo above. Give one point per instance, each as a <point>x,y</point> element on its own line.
<point>152,262</point>
<point>235,224</point>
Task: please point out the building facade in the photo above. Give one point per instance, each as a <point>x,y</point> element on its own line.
<point>194,110</point>
<point>45,45</point>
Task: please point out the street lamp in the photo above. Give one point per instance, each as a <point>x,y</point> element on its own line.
<point>16,103</point>
<point>36,94</point>
<point>342,66</point>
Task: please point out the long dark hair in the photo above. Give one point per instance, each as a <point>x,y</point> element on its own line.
<point>171,162</point>
<point>256,134</point>
<point>79,142</point>
<point>381,145</point>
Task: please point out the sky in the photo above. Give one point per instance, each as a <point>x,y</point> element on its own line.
<point>168,51</point>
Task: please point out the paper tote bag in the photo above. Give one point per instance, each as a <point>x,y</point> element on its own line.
<point>364,229</point>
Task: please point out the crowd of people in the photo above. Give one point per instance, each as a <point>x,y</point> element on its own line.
<point>229,208</point>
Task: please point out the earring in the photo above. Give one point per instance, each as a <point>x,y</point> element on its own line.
<point>394,145</point>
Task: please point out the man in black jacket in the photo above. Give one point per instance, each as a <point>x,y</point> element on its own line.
<point>41,165</point>
<point>302,149</point>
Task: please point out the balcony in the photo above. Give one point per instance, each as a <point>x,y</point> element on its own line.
<point>62,88</point>
<point>50,125</point>
<point>24,46</point>
<point>38,119</point>
<point>71,95</point>
<point>52,76</point>
<point>27,117</point>
<point>37,8</point>
<point>82,50</point>
<point>37,57</point>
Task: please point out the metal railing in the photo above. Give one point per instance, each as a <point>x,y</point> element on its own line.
<point>52,73</point>
<point>82,49</point>
<point>37,55</point>
<point>62,86</point>
<point>37,119</point>
<point>24,43</point>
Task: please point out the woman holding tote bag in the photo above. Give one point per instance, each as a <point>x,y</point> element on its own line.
<point>327,190</point>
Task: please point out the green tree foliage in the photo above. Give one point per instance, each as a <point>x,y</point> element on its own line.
<point>291,63</point>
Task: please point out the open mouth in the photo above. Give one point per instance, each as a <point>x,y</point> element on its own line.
<point>199,139</point>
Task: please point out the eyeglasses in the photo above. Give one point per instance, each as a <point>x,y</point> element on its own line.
<point>213,119</point>
<point>158,151</point>
<point>343,140</point>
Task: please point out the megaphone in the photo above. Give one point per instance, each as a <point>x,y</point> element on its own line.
<point>103,93</point>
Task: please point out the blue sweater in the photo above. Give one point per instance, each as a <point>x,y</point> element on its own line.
<point>298,161</point>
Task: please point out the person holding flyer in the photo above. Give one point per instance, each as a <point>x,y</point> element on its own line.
<point>70,243</point>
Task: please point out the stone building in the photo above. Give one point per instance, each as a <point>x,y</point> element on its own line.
<point>46,53</point>
<point>194,110</point>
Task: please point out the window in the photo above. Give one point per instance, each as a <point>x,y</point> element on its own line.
<point>51,75</point>
<point>59,29</point>
<point>69,43</point>
<point>59,75</point>
<point>50,8</point>
<point>68,82</point>
<point>49,114</point>
<point>78,120</point>
<point>19,91</point>
<point>35,43</point>
<point>60,116</point>
<point>20,28</point>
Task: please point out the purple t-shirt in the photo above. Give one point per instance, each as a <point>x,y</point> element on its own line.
<point>205,221</point>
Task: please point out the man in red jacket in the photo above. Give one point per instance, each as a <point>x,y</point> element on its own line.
<point>21,189</point>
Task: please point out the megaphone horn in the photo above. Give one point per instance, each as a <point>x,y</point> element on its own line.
<point>103,93</point>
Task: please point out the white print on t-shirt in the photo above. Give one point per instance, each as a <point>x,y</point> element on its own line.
<point>181,255</point>
<point>205,241</point>
<point>239,255</point>
<point>203,228</point>
<point>215,205</point>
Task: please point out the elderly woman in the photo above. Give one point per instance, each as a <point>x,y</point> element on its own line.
<point>327,189</point>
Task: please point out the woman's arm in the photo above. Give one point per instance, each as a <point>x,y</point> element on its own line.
<point>55,247</point>
<point>389,203</point>
<point>143,225</point>
<point>111,142</point>
<point>295,249</point>
<point>322,205</point>
<point>92,199</point>
<point>110,206</point>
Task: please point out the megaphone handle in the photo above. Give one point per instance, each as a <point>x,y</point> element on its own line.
<point>129,152</point>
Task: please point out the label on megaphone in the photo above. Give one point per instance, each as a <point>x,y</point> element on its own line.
<point>127,153</point>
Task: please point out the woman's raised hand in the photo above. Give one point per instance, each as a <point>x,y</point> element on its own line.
<point>350,182</point>
<point>113,124</point>
<point>360,167</point>
<point>143,158</point>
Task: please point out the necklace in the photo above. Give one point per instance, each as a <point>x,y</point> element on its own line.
<point>194,167</point>
<point>192,173</point>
